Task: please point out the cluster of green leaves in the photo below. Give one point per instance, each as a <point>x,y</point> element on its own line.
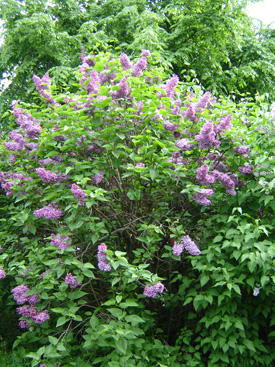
<point>212,42</point>
<point>106,320</point>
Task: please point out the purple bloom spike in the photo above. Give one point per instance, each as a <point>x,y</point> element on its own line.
<point>153,290</point>
<point>125,61</point>
<point>50,211</point>
<point>71,281</point>
<point>203,177</point>
<point>201,197</point>
<point>102,258</point>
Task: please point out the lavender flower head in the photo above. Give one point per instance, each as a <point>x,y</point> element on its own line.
<point>178,248</point>
<point>23,324</point>
<point>47,176</point>
<point>140,164</point>
<point>225,124</point>
<point>123,91</point>
<point>2,273</point>
<point>41,317</point>
<point>171,85</point>
<point>203,102</point>
<point>170,126</point>
<point>102,258</point>
<point>145,53</point>
<point>245,170</point>
<point>226,181</point>
<point>20,294</point>
<point>71,281</point>
<point>201,197</point>
<point>50,211</point>
<point>190,246</point>
<point>153,290</point>
<point>139,66</point>
<point>207,136</point>
<point>27,311</point>
<point>125,61</point>
<point>241,149</point>
<point>61,242</point>
<point>78,194</point>
<point>183,144</point>
<point>98,178</point>
<point>32,300</point>
<point>203,177</point>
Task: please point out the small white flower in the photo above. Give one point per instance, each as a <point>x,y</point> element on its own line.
<point>256,291</point>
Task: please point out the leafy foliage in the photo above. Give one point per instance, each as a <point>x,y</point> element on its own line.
<point>136,161</point>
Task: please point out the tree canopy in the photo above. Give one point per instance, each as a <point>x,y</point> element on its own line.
<point>212,42</point>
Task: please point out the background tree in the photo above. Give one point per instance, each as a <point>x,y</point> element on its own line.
<point>213,42</point>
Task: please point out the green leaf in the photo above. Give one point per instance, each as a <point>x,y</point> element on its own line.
<point>121,345</point>
<point>61,321</point>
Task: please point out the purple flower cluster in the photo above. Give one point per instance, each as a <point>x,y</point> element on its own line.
<point>190,114</point>
<point>23,324</point>
<point>170,126</point>
<point>102,258</point>
<point>225,124</point>
<point>183,144</point>
<point>71,281</point>
<point>201,197</point>
<point>47,176</point>
<point>207,136</point>
<point>226,181</point>
<point>2,273</point>
<point>145,53</point>
<point>94,84</point>
<point>98,178</point>
<point>78,194</point>
<point>153,290</point>
<point>45,162</point>
<point>171,85</point>
<point>140,165</point>
<point>41,317</point>
<point>203,102</point>
<point>187,244</point>
<point>27,311</point>
<point>7,181</point>
<point>245,170</point>
<point>123,92</point>
<point>50,211</point>
<point>125,61</point>
<point>61,242</point>
<point>203,177</point>
<point>139,66</point>
<point>43,86</point>
<point>20,294</point>
<point>241,149</point>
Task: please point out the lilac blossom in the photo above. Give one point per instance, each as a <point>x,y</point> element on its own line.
<point>97,178</point>
<point>203,177</point>
<point>102,258</point>
<point>27,311</point>
<point>207,136</point>
<point>2,273</point>
<point>190,114</point>
<point>43,83</point>
<point>201,197</point>
<point>90,60</point>
<point>32,300</point>
<point>145,53</point>
<point>13,158</point>
<point>140,165</point>
<point>203,102</point>
<point>23,324</point>
<point>139,66</point>
<point>50,211</point>
<point>153,290</point>
<point>71,281</point>
<point>226,181</point>
<point>20,294</point>
<point>47,176</point>
<point>61,242</point>
<point>45,162</point>
<point>123,91</point>
<point>94,84</point>
<point>183,144</point>
<point>241,149</point>
<point>78,194</point>
<point>225,124</point>
<point>178,248</point>
<point>190,246</point>
<point>170,126</point>
<point>125,61</point>
<point>246,169</point>
<point>171,85</point>
<point>41,317</point>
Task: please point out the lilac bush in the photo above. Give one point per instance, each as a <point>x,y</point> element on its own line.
<point>99,179</point>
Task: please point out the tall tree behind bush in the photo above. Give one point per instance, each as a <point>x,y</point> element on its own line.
<point>213,42</point>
